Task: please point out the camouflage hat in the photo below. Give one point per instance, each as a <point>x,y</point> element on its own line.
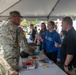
<point>15,13</point>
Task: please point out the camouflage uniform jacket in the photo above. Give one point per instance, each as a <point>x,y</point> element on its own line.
<point>11,39</point>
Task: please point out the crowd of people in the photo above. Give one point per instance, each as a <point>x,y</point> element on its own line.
<point>57,47</point>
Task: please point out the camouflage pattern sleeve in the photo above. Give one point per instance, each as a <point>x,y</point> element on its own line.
<point>7,41</point>
<point>9,51</point>
<point>23,42</point>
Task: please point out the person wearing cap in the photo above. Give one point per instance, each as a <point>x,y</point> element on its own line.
<point>11,39</point>
<point>49,38</point>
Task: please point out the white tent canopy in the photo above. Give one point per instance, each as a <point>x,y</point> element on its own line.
<point>41,9</point>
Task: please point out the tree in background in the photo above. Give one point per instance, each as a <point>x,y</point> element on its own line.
<point>26,23</point>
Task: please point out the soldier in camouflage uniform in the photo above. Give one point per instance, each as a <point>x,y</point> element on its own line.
<point>11,39</point>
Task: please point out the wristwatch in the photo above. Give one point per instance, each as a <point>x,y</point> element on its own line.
<point>65,65</point>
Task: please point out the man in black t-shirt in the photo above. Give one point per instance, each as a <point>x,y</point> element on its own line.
<point>68,47</point>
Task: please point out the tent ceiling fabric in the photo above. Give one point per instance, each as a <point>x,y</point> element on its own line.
<point>65,8</point>
<point>32,9</point>
<point>4,4</point>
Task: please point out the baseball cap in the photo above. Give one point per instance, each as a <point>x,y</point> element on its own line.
<point>15,13</point>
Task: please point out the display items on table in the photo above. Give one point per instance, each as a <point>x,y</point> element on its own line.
<point>46,60</point>
<point>34,57</point>
<point>45,66</point>
<point>37,64</point>
<point>34,61</point>
<point>29,64</point>
<point>37,50</point>
<point>44,63</point>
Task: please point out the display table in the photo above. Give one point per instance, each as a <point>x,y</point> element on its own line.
<point>52,69</point>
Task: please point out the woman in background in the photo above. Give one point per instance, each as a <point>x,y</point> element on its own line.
<point>42,31</point>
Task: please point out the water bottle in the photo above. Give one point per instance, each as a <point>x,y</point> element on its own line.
<point>37,48</point>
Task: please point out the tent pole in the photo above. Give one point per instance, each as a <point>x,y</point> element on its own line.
<point>10,7</point>
<point>52,10</point>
